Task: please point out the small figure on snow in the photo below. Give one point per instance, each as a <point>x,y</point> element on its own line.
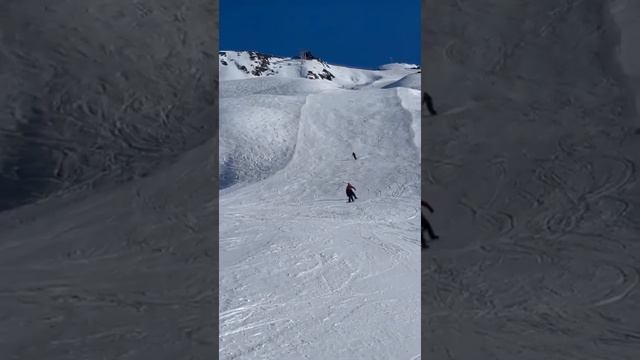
<point>350,192</point>
<point>354,156</point>
<point>427,99</point>
<point>427,226</point>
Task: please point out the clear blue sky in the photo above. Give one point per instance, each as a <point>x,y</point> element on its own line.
<point>359,33</point>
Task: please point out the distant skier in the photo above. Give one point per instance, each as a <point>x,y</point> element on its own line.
<point>350,192</point>
<point>427,99</point>
<point>354,156</point>
<point>427,226</point>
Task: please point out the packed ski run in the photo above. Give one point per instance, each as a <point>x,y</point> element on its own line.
<point>531,165</point>
<point>304,273</point>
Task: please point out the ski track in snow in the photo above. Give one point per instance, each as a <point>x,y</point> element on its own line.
<point>303,274</point>
<point>532,169</point>
<point>107,184</point>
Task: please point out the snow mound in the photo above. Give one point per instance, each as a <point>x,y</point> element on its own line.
<point>412,81</point>
<point>259,136</point>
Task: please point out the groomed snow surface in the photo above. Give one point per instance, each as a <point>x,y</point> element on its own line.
<point>303,273</point>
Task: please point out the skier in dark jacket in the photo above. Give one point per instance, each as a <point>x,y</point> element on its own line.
<point>427,226</point>
<point>350,192</point>
<point>427,99</point>
<point>354,156</point>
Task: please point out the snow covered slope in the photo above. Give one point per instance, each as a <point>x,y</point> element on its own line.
<point>107,195</point>
<point>532,168</point>
<point>303,274</point>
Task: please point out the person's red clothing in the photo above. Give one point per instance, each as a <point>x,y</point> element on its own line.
<point>350,194</point>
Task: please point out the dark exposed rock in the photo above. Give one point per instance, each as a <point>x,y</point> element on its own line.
<point>307,55</point>
<point>327,75</point>
<point>263,61</point>
<point>242,67</point>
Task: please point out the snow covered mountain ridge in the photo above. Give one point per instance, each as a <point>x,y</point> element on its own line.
<point>237,65</point>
